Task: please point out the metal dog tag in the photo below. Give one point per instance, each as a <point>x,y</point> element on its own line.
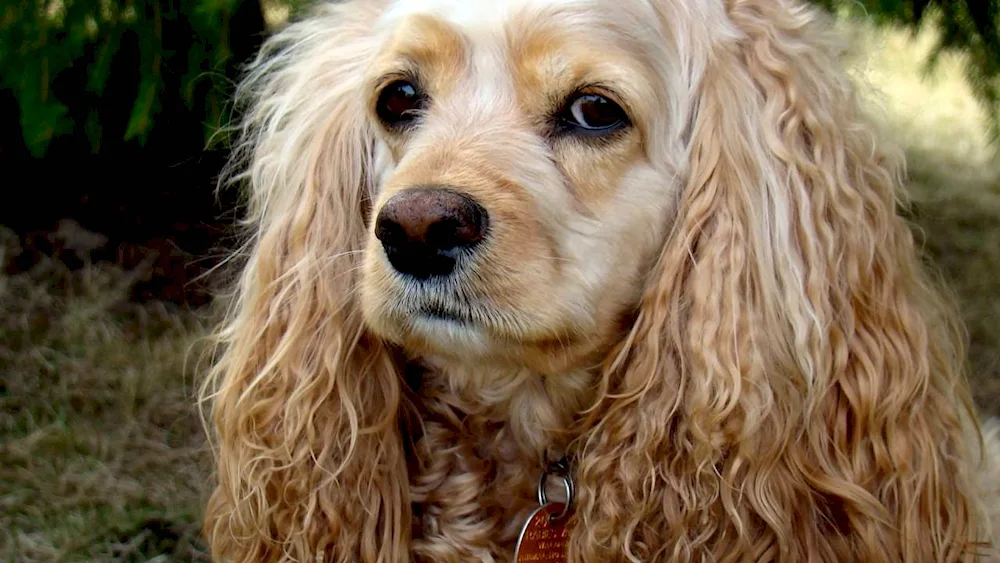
<point>544,538</point>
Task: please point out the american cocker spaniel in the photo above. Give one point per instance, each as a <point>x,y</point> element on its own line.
<point>635,262</point>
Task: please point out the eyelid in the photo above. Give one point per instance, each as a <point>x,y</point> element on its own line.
<point>599,90</point>
<point>387,78</point>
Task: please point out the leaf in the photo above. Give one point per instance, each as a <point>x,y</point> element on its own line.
<point>100,70</point>
<point>211,9</point>
<point>41,122</point>
<point>197,61</point>
<point>146,104</point>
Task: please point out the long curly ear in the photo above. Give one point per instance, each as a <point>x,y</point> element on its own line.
<point>793,387</point>
<point>310,459</point>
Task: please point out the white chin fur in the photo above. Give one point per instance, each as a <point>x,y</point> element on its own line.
<point>452,337</point>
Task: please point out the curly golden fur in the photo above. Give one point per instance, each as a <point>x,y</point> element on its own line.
<point>717,310</point>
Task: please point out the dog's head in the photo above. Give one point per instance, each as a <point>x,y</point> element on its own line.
<point>682,195</point>
<point>528,158</point>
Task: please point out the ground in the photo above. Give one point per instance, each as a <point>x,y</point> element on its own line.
<point>102,455</point>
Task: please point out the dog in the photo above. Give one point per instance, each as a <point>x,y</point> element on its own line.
<point>636,265</point>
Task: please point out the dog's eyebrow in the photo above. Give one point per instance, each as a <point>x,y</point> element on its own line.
<point>424,41</point>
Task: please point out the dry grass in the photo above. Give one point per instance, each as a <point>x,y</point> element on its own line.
<point>101,453</point>
<point>102,456</point>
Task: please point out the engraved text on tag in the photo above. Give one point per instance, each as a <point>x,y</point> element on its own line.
<point>543,540</point>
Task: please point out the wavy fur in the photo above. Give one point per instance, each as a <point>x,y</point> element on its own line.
<point>788,387</point>
<point>310,457</point>
<point>791,361</point>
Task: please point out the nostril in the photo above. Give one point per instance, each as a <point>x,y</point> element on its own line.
<point>451,233</point>
<point>389,232</point>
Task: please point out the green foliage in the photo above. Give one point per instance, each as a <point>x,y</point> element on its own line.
<point>969,27</point>
<point>161,57</point>
<point>106,70</point>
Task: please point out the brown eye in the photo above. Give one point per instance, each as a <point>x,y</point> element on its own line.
<point>399,103</point>
<point>594,114</point>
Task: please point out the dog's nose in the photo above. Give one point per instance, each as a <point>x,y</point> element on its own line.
<point>423,230</point>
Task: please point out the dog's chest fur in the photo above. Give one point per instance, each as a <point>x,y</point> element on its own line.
<point>477,441</point>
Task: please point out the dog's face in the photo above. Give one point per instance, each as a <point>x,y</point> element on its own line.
<point>518,204</point>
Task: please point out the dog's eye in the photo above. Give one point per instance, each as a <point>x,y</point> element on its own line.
<point>595,114</point>
<point>399,103</point>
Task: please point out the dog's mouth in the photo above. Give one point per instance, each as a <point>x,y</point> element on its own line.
<point>439,313</point>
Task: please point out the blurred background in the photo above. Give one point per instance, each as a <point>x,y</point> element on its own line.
<point>110,232</point>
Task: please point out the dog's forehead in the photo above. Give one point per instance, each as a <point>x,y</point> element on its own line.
<point>466,14</point>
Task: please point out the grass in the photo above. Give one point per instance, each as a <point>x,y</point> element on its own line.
<point>102,456</point>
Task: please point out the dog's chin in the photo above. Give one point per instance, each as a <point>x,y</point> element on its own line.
<point>466,337</point>
<point>447,333</point>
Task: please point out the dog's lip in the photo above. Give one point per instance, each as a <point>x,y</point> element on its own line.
<point>438,312</point>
